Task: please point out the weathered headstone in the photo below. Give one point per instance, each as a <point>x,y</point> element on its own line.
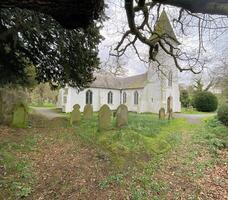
<point>88,111</point>
<point>8,99</point>
<point>121,116</point>
<point>104,118</point>
<point>20,116</point>
<point>162,113</point>
<point>75,115</point>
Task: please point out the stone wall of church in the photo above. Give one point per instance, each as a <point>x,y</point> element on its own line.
<point>99,98</point>
<point>160,83</point>
<point>130,99</point>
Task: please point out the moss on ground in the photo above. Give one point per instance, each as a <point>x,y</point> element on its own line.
<point>148,159</point>
<point>144,136</point>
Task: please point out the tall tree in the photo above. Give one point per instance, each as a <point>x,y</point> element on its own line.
<point>69,13</point>
<point>32,40</point>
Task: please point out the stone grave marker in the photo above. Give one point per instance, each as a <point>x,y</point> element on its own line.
<point>75,115</point>
<point>121,116</point>
<point>20,116</point>
<point>88,111</point>
<point>104,118</point>
<point>162,113</point>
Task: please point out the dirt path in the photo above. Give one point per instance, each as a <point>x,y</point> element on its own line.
<point>193,118</point>
<point>49,113</point>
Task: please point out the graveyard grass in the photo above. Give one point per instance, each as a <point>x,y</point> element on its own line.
<point>148,159</point>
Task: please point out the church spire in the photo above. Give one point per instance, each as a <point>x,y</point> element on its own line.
<point>164,27</point>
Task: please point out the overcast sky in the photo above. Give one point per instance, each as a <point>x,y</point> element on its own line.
<point>216,47</point>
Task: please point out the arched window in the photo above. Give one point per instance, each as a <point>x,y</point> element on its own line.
<point>89,97</point>
<point>110,95</point>
<point>124,97</point>
<point>170,79</point>
<point>136,97</point>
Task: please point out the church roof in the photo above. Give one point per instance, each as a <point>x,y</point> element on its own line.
<point>111,82</point>
<point>163,26</point>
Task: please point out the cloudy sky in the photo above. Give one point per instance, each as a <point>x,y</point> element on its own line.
<point>215,41</point>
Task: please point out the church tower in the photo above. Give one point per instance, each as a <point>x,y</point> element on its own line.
<point>164,73</point>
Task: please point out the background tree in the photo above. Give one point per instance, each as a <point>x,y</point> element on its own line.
<point>59,56</point>
<point>70,14</point>
<point>42,94</point>
<point>141,20</point>
<point>222,83</point>
<point>184,98</point>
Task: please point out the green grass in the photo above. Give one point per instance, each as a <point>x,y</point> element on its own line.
<point>18,180</point>
<point>145,134</point>
<point>45,105</point>
<point>136,152</point>
<point>192,111</point>
<point>214,134</point>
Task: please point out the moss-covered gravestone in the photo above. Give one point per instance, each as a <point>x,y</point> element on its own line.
<point>104,118</point>
<point>20,116</point>
<point>75,115</point>
<point>121,116</point>
<point>88,111</point>
<point>162,113</point>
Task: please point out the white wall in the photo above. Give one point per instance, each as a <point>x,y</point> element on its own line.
<point>100,97</point>
<point>160,83</point>
<point>130,99</point>
<point>151,98</point>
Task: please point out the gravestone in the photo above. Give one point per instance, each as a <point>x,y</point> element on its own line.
<point>20,116</point>
<point>104,118</point>
<point>121,116</point>
<point>162,113</point>
<point>75,115</point>
<point>8,99</point>
<point>88,111</point>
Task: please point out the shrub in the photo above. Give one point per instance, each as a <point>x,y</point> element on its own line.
<point>223,114</point>
<point>205,101</point>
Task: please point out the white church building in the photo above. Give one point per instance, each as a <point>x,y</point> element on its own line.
<point>146,92</point>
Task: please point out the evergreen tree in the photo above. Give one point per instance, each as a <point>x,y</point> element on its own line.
<point>30,41</point>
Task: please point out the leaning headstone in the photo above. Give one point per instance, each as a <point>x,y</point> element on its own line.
<point>104,118</point>
<point>162,113</point>
<point>20,116</point>
<point>75,115</point>
<point>88,111</point>
<point>121,116</point>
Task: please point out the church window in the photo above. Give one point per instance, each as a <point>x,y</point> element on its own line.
<point>136,97</point>
<point>124,97</point>
<point>170,79</point>
<point>89,97</point>
<point>110,97</point>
